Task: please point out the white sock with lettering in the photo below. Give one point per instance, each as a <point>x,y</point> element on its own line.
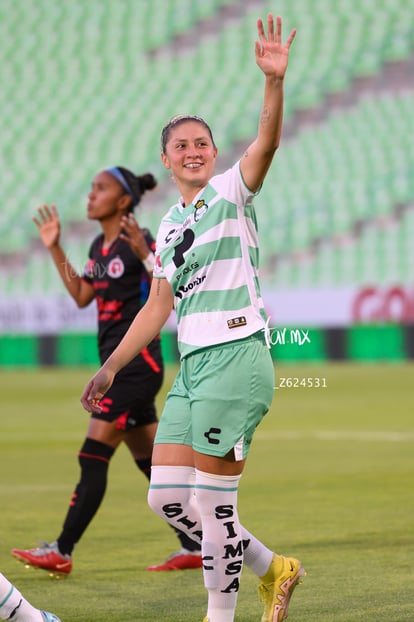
<point>171,496</point>
<point>222,546</point>
<point>257,557</point>
<point>14,607</point>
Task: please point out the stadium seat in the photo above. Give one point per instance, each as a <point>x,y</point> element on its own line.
<point>97,81</point>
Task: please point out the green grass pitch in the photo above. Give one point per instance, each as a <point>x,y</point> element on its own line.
<point>330,479</point>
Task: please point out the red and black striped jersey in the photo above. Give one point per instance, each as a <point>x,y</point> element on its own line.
<point>121,286</point>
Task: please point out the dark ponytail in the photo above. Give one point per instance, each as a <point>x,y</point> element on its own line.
<point>134,185</point>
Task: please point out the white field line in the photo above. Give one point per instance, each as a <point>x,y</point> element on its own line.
<point>335,435</point>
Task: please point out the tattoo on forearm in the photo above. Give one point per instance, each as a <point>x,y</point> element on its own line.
<point>246,153</point>
<point>265,116</point>
<point>158,287</point>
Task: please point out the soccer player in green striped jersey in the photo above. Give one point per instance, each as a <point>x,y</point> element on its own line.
<point>207,270</point>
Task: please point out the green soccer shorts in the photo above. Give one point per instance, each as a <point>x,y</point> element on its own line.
<point>219,397</point>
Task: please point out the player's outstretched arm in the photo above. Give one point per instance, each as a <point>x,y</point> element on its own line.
<point>48,225</point>
<point>272,58</point>
<point>146,325</point>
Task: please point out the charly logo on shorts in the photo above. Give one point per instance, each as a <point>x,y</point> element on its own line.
<point>116,268</point>
<point>211,433</point>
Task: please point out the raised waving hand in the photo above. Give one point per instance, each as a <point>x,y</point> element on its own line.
<point>271,54</point>
<point>48,225</point>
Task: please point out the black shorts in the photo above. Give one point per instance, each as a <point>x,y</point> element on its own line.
<point>131,399</point>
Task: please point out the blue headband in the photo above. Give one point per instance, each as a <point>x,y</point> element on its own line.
<point>115,172</point>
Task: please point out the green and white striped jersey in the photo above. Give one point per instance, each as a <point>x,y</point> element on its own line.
<point>209,253</point>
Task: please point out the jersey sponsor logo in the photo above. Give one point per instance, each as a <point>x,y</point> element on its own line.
<point>184,289</point>
<point>183,244</point>
<point>237,321</point>
<point>188,269</point>
<point>170,235</point>
<point>176,234</point>
<point>116,268</point>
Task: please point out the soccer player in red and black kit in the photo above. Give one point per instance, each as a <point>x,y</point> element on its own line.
<point>117,275</point>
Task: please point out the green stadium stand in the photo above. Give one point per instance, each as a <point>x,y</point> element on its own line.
<point>354,169</point>
<point>89,84</point>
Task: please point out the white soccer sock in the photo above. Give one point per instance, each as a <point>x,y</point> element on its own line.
<point>257,557</point>
<point>171,496</point>
<point>222,546</point>
<point>12,602</point>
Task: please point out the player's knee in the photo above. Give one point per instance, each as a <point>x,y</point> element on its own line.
<point>170,493</point>
<point>166,504</point>
<point>94,456</point>
<point>156,501</point>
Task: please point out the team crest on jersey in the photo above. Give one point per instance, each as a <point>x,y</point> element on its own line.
<point>200,209</point>
<point>116,268</point>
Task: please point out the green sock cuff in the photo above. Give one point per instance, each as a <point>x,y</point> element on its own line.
<point>3,602</point>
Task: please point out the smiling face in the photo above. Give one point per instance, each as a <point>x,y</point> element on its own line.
<point>107,198</point>
<point>190,154</point>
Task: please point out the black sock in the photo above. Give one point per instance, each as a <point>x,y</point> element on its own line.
<point>186,542</point>
<point>144,466</point>
<point>94,460</point>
